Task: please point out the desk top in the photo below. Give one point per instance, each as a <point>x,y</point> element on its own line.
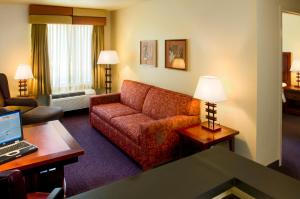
<point>54,144</point>
<point>196,175</point>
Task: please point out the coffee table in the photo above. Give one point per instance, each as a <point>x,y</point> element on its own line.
<point>44,169</point>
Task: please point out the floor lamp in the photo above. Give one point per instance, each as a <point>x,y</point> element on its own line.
<point>108,57</point>
<point>23,73</point>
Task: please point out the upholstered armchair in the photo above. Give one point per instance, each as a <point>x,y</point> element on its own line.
<point>31,112</point>
<point>11,104</point>
<point>12,186</point>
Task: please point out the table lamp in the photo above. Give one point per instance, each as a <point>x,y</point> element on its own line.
<point>23,73</point>
<point>108,57</point>
<point>296,68</point>
<point>210,89</point>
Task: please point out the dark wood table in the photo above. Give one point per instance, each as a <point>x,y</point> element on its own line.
<point>44,169</point>
<point>205,138</point>
<point>292,96</point>
<point>201,175</point>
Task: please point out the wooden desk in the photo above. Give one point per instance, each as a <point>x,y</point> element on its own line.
<point>292,95</point>
<point>205,138</point>
<point>56,148</point>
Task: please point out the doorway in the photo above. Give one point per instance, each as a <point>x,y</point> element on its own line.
<point>291,95</point>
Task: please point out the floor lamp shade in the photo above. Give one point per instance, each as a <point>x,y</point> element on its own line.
<point>108,57</point>
<point>210,89</point>
<point>23,73</point>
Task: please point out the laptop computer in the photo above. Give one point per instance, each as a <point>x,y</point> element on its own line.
<point>12,145</point>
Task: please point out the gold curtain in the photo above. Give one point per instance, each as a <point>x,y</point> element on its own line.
<point>40,60</point>
<point>97,46</point>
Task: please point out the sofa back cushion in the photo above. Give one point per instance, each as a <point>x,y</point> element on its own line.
<point>133,94</point>
<point>161,103</point>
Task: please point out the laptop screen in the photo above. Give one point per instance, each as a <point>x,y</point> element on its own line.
<point>10,128</point>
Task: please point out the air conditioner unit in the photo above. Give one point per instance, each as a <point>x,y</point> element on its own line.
<point>73,100</point>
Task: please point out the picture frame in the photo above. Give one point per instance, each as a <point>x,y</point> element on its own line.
<point>176,54</point>
<point>148,52</point>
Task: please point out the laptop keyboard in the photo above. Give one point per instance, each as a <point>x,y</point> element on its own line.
<point>13,147</point>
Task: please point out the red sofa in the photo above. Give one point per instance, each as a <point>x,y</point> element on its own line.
<point>142,120</point>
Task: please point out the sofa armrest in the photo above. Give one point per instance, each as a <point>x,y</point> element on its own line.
<point>104,99</point>
<point>21,102</point>
<point>156,132</point>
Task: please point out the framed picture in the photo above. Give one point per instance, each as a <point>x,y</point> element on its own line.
<point>176,54</point>
<point>148,52</point>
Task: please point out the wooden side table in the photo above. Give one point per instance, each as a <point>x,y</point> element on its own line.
<point>204,139</point>
<point>292,95</point>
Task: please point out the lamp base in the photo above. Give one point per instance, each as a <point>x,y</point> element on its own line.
<point>211,127</point>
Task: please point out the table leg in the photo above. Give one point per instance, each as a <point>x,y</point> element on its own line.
<point>231,144</point>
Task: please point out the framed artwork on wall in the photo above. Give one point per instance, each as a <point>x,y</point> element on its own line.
<point>148,52</point>
<point>176,54</point>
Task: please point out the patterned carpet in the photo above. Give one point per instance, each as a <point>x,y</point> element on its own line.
<point>102,163</point>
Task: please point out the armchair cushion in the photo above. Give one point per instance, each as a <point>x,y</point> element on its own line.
<point>21,102</point>
<point>129,125</point>
<point>109,111</point>
<point>23,109</point>
<point>57,193</point>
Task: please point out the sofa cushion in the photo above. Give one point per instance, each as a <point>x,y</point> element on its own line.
<point>161,103</point>
<point>129,125</point>
<point>109,111</point>
<point>133,94</point>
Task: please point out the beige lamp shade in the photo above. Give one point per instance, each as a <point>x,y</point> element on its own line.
<point>108,57</point>
<point>23,72</point>
<point>178,63</point>
<point>295,66</point>
<point>210,89</point>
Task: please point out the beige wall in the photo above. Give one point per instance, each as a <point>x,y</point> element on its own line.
<point>222,39</point>
<point>14,41</point>
<point>290,37</point>
<point>268,146</point>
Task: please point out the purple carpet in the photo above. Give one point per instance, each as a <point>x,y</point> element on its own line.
<point>102,163</point>
<point>290,146</point>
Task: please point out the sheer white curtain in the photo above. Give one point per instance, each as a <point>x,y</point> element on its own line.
<point>70,49</point>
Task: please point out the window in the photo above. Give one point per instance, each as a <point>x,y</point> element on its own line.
<point>69,48</point>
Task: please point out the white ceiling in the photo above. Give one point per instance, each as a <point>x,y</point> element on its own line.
<point>102,4</point>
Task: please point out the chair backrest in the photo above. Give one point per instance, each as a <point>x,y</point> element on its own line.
<point>12,185</point>
<point>4,89</point>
